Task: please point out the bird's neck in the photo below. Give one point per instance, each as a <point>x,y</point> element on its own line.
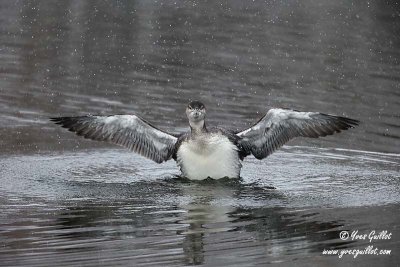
<point>198,127</point>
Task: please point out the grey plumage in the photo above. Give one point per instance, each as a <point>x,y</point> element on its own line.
<point>278,126</point>
<point>128,131</point>
<point>206,151</point>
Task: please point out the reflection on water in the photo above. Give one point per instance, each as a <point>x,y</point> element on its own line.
<point>70,207</point>
<point>63,205</point>
<point>136,231</point>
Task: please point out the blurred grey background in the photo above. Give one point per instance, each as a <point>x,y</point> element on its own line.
<point>60,58</point>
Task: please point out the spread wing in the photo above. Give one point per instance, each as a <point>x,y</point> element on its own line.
<point>125,130</point>
<point>278,126</point>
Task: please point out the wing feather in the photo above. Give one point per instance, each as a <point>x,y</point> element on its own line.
<point>129,131</point>
<point>278,126</point>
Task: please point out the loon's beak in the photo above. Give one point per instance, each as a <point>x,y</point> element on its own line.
<point>196,114</point>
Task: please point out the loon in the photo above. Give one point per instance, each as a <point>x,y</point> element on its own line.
<point>206,152</point>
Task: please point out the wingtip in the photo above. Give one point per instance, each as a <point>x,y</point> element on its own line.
<point>56,120</point>
<point>351,123</point>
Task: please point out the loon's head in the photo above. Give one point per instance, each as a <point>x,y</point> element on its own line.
<point>196,113</point>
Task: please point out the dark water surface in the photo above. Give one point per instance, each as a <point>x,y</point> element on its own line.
<point>65,201</point>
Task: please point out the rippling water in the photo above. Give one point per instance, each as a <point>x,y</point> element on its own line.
<point>71,202</point>
<point>98,208</point>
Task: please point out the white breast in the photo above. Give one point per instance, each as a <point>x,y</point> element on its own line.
<point>209,156</point>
